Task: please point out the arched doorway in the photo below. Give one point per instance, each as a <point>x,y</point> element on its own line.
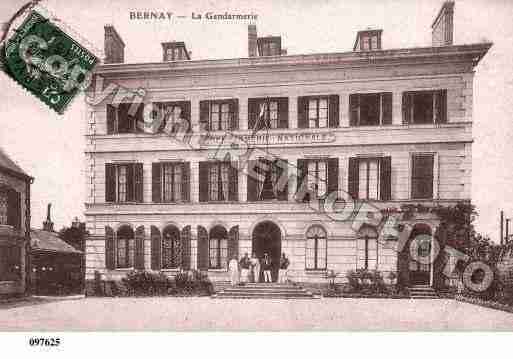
<point>266,238</point>
<point>419,250</point>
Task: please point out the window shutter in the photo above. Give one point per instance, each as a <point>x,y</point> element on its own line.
<point>252,182</point>
<point>333,108</point>
<point>123,120</point>
<point>284,171</point>
<point>203,181</point>
<point>204,114</point>
<point>139,248</point>
<point>353,178</point>
<point>333,175</point>
<point>138,182</point>
<point>156,243</point>
<point>283,112</point>
<point>156,190</point>
<point>386,178</point>
<point>130,181</point>
<point>202,248</point>
<point>252,113</point>
<point>111,118</point>
<point>110,182</point>
<point>233,242</point>
<point>186,111</point>
<point>387,108</point>
<point>422,177</point>
<point>354,104</point>
<point>407,104</point>
<point>186,181</point>
<point>13,208</point>
<point>234,109</point>
<point>441,108</point>
<point>185,237</point>
<point>233,189</point>
<point>302,112</point>
<point>139,118</point>
<point>110,250</point>
<point>302,173</point>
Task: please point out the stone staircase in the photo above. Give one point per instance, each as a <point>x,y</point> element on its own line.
<point>422,292</point>
<point>265,291</point>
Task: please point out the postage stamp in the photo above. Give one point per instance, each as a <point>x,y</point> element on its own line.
<point>47,62</point>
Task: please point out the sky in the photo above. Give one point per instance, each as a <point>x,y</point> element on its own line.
<point>50,147</point>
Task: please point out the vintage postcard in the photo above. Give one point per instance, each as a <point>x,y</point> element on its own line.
<point>255,166</point>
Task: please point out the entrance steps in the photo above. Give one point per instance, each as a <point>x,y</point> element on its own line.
<point>265,291</point>
<point>422,292</point>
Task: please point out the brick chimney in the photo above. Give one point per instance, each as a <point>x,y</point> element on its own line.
<point>114,46</point>
<point>443,26</point>
<point>252,40</point>
<point>48,224</point>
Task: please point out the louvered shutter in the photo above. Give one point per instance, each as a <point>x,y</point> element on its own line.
<point>302,112</point>
<point>334,113</point>
<point>353,178</point>
<point>354,105</point>
<point>283,112</point>
<point>233,189</point>
<point>385,178</point>
<point>139,118</point>
<point>111,118</point>
<point>386,101</point>
<point>252,113</point>
<point>13,208</point>
<point>110,182</point>
<point>441,108</point>
<point>204,114</point>
<point>139,248</point>
<point>123,119</point>
<point>130,183</point>
<point>302,173</point>
<point>406,107</point>
<point>233,242</point>
<point>186,181</point>
<point>138,182</point>
<point>284,172</point>
<point>333,175</point>
<point>203,181</point>
<point>156,187</point>
<point>202,248</point>
<point>185,237</point>
<point>186,113</point>
<point>234,109</point>
<point>252,182</point>
<point>110,248</point>
<point>156,245</point>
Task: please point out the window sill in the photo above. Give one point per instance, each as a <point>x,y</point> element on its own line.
<point>218,270</point>
<point>316,271</point>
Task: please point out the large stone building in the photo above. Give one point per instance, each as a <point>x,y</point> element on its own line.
<point>14,226</point>
<point>385,127</point>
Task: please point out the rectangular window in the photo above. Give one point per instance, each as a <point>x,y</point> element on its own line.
<point>268,113</point>
<point>422,176</point>
<point>369,179</point>
<point>317,176</point>
<point>425,107</point>
<point>10,263</point>
<point>172,181</point>
<point>123,182</point>
<point>123,118</point>
<point>318,112</point>
<point>371,109</point>
<point>218,253</point>
<point>220,116</point>
<point>218,180</point>
<point>268,181</point>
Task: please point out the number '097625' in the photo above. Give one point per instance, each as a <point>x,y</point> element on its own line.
<point>44,342</point>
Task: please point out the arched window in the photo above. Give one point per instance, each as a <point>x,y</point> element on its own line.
<point>316,248</point>
<point>171,248</point>
<point>125,247</point>
<point>367,247</point>
<point>218,247</point>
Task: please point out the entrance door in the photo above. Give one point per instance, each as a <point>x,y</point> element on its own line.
<point>267,239</point>
<point>420,259</point>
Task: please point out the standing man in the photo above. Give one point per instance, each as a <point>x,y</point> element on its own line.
<point>267,266</point>
<point>233,267</point>
<point>255,267</point>
<point>284,264</point>
<point>244,269</point>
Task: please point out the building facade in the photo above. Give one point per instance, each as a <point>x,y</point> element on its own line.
<point>355,136</point>
<point>14,226</point>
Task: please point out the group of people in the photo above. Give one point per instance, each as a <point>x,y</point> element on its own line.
<point>250,269</point>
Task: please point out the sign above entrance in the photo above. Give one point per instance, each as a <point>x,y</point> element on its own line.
<point>264,139</point>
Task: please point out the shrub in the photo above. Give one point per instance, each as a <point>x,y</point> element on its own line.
<point>146,283</point>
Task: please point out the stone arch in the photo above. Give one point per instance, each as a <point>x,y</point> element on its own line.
<point>268,218</point>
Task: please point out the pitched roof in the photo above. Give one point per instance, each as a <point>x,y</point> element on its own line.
<point>8,164</point>
<point>44,241</point>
